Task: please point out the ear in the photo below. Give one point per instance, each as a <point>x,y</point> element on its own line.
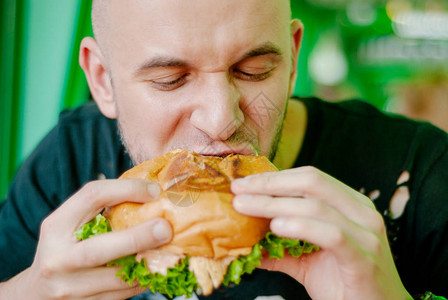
<point>296,41</point>
<point>93,63</point>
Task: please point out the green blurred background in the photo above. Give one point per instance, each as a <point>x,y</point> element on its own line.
<point>369,49</point>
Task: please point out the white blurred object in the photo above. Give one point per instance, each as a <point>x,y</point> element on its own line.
<point>421,25</point>
<point>391,48</point>
<point>361,13</point>
<point>328,64</point>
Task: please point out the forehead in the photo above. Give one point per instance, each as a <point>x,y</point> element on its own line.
<point>202,29</point>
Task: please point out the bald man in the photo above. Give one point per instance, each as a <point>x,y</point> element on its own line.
<point>216,77</point>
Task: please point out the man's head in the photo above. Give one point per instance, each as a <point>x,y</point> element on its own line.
<point>206,75</point>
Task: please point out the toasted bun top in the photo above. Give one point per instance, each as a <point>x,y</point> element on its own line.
<point>197,201</point>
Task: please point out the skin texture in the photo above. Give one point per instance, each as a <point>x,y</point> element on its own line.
<point>354,262</point>
<point>185,74</point>
<point>65,268</point>
<point>214,105</point>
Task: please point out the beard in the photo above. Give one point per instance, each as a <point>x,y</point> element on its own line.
<point>242,136</point>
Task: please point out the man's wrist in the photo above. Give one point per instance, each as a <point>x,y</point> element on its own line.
<point>13,288</point>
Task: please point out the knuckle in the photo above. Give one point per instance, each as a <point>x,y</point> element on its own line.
<point>46,226</point>
<point>376,246</point>
<point>337,238</point>
<point>90,190</point>
<point>371,243</point>
<point>367,201</point>
<point>61,291</point>
<point>91,193</point>
<point>47,270</point>
<point>376,222</point>
<point>56,288</point>
<point>313,177</point>
<point>267,181</point>
<point>311,171</point>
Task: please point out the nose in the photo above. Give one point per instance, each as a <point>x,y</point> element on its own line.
<point>217,111</point>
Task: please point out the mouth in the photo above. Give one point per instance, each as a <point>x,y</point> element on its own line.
<point>222,154</point>
<point>226,151</point>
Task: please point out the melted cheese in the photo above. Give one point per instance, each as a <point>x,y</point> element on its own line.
<point>159,261</point>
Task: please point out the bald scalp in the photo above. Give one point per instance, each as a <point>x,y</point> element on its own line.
<point>100,21</point>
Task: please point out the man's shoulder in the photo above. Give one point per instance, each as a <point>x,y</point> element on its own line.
<point>86,141</point>
<point>366,115</point>
<point>88,111</point>
<point>86,123</point>
<point>366,147</point>
<point>392,130</point>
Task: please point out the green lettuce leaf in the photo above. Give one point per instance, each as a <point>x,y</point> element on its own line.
<point>97,226</point>
<point>243,265</point>
<point>276,246</point>
<point>179,279</point>
<point>429,296</point>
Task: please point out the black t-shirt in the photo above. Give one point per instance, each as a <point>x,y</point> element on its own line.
<point>400,164</point>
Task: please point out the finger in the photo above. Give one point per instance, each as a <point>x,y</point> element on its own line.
<point>350,244</point>
<point>85,283</point>
<point>104,248</point>
<point>99,280</point>
<point>293,210</point>
<point>93,281</point>
<point>299,182</point>
<point>119,295</point>
<point>95,195</point>
<point>306,182</point>
<point>288,264</point>
<point>271,207</point>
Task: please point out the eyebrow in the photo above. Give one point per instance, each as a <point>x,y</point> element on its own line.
<point>265,49</point>
<point>166,62</point>
<point>160,62</point>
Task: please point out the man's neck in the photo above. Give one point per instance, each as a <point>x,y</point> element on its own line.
<point>293,134</point>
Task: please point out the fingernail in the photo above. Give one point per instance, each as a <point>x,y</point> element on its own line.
<point>154,190</point>
<point>161,231</point>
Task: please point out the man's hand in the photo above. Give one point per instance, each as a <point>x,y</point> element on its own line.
<point>70,269</point>
<point>355,261</point>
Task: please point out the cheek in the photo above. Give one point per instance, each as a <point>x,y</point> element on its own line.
<point>146,121</point>
<point>265,106</point>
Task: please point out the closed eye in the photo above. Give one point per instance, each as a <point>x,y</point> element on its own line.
<point>170,85</point>
<point>252,76</point>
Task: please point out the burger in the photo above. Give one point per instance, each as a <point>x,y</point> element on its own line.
<point>212,244</point>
